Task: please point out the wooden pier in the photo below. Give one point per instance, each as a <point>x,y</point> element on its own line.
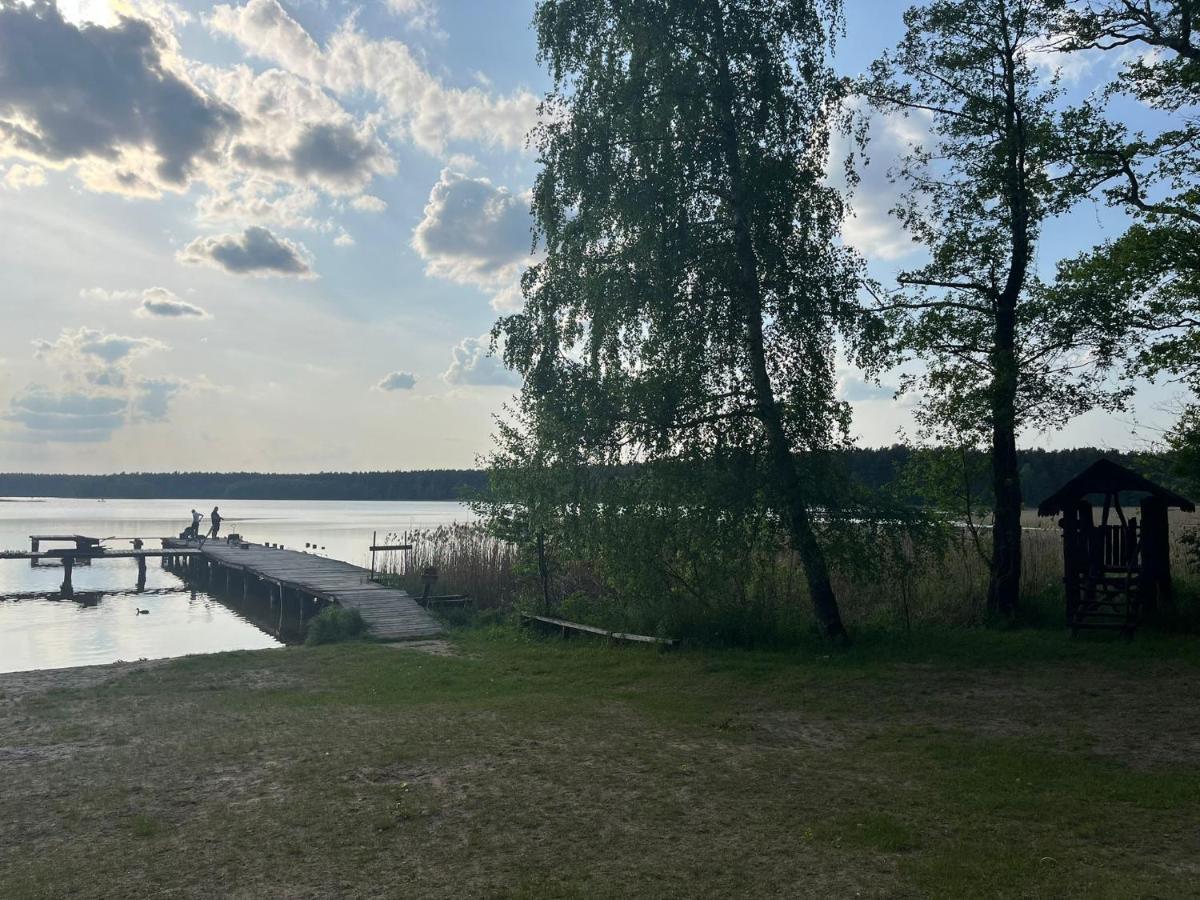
<point>86,553</point>
<point>390,614</point>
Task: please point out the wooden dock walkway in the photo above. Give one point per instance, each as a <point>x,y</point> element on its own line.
<point>390,613</point>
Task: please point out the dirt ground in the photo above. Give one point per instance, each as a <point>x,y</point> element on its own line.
<point>498,765</point>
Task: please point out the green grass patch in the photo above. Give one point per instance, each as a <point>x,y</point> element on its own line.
<point>334,625</point>
<point>977,764</point>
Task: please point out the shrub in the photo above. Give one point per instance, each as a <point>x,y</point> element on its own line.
<point>334,625</point>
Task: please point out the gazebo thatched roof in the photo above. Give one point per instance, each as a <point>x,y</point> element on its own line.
<point>1106,477</point>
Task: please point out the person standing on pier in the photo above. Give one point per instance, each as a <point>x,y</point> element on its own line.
<point>214,520</point>
<point>196,517</point>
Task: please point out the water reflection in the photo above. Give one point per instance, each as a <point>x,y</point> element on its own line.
<point>40,629</point>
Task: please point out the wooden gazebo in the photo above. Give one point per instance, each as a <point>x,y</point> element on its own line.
<point>1114,572</point>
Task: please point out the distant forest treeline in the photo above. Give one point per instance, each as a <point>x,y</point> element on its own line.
<point>435,484</point>
<point>1042,471</point>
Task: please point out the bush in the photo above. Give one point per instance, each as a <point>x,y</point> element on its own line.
<point>334,625</point>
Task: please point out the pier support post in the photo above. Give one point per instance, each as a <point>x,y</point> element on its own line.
<point>68,589</point>
<point>34,544</point>
<point>141,582</point>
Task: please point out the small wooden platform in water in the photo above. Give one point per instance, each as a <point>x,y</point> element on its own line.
<point>390,613</point>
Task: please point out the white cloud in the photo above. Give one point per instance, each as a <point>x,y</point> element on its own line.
<point>294,131</point>
<point>508,299</point>
<point>419,14</point>
<point>871,228</point>
<point>397,381</point>
<point>103,295</point>
<point>265,201</point>
<point>854,388</point>
<point>474,232</point>
<point>1053,63</point>
<point>155,302</point>
<point>160,303</point>
<point>108,100</point>
<point>19,177</point>
<point>345,239</point>
<point>472,364</point>
<point>151,399</point>
<point>256,251</point>
<point>66,416</point>
<point>98,391</point>
<point>92,347</point>
<point>420,106</point>
<point>368,203</point>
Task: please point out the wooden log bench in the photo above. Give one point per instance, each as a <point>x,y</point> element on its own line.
<point>566,629</point>
<point>444,600</point>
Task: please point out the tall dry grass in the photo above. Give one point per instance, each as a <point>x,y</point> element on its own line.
<point>761,599</point>
<point>467,559</point>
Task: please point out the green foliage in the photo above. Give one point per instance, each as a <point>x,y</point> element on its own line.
<point>1151,274</point>
<point>999,353</point>
<point>1184,442</point>
<point>333,625</point>
<point>999,350</point>
<point>686,312</point>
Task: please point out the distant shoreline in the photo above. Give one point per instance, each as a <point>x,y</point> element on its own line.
<point>436,484</point>
<point>873,468</point>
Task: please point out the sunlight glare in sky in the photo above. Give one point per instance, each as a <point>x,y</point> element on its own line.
<point>97,12</point>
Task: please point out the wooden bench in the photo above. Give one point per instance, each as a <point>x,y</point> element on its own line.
<point>566,629</point>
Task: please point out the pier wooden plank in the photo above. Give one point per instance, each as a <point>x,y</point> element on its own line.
<point>391,614</point>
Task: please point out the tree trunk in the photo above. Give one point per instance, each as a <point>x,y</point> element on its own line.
<point>1004,582</point>
<point>788,487</point>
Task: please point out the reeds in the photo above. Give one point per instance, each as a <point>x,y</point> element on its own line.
<point>759,598</point>
<point>466,558</point>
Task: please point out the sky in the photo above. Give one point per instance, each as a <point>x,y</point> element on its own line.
<point>274,234</point>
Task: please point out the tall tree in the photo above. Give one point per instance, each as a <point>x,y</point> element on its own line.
<point>692,286</point>
<point>1152,271</point>
<point>999,354</point>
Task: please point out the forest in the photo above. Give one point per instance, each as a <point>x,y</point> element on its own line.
<point>873,468</point>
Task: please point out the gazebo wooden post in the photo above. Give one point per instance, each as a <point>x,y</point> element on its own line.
<point>1156,555</point>
<point>1076,526</point>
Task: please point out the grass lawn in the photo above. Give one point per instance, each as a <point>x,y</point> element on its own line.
<point>965,764</point>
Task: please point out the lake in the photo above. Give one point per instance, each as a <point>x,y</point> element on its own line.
<point>39,630</point>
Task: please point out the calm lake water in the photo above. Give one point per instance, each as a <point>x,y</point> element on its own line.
<point>39,630</point>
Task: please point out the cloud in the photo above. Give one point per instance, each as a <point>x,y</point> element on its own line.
<point>19,177</point>
<point>419,14</point>
<point>345,239</point>
<point>1053,63</point>
<point>155,302</point>
<point>256,251</point>
<point>871,228</point>
<point>263,200</point>
<point>367,203</point>
<point>91,347</point>
<point>397,381</point>
<point>98,393</point>
<point>854,389</point>
<point>151,399</point>
<point>160,303</point>
<point>104,98</point>
<point>103,295</point>
<point>341,158</point>
<point>508,299</point>
<point>69,416</point>
<point>351,63</point>
<point>473,365</point>
<point>474,232</point>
